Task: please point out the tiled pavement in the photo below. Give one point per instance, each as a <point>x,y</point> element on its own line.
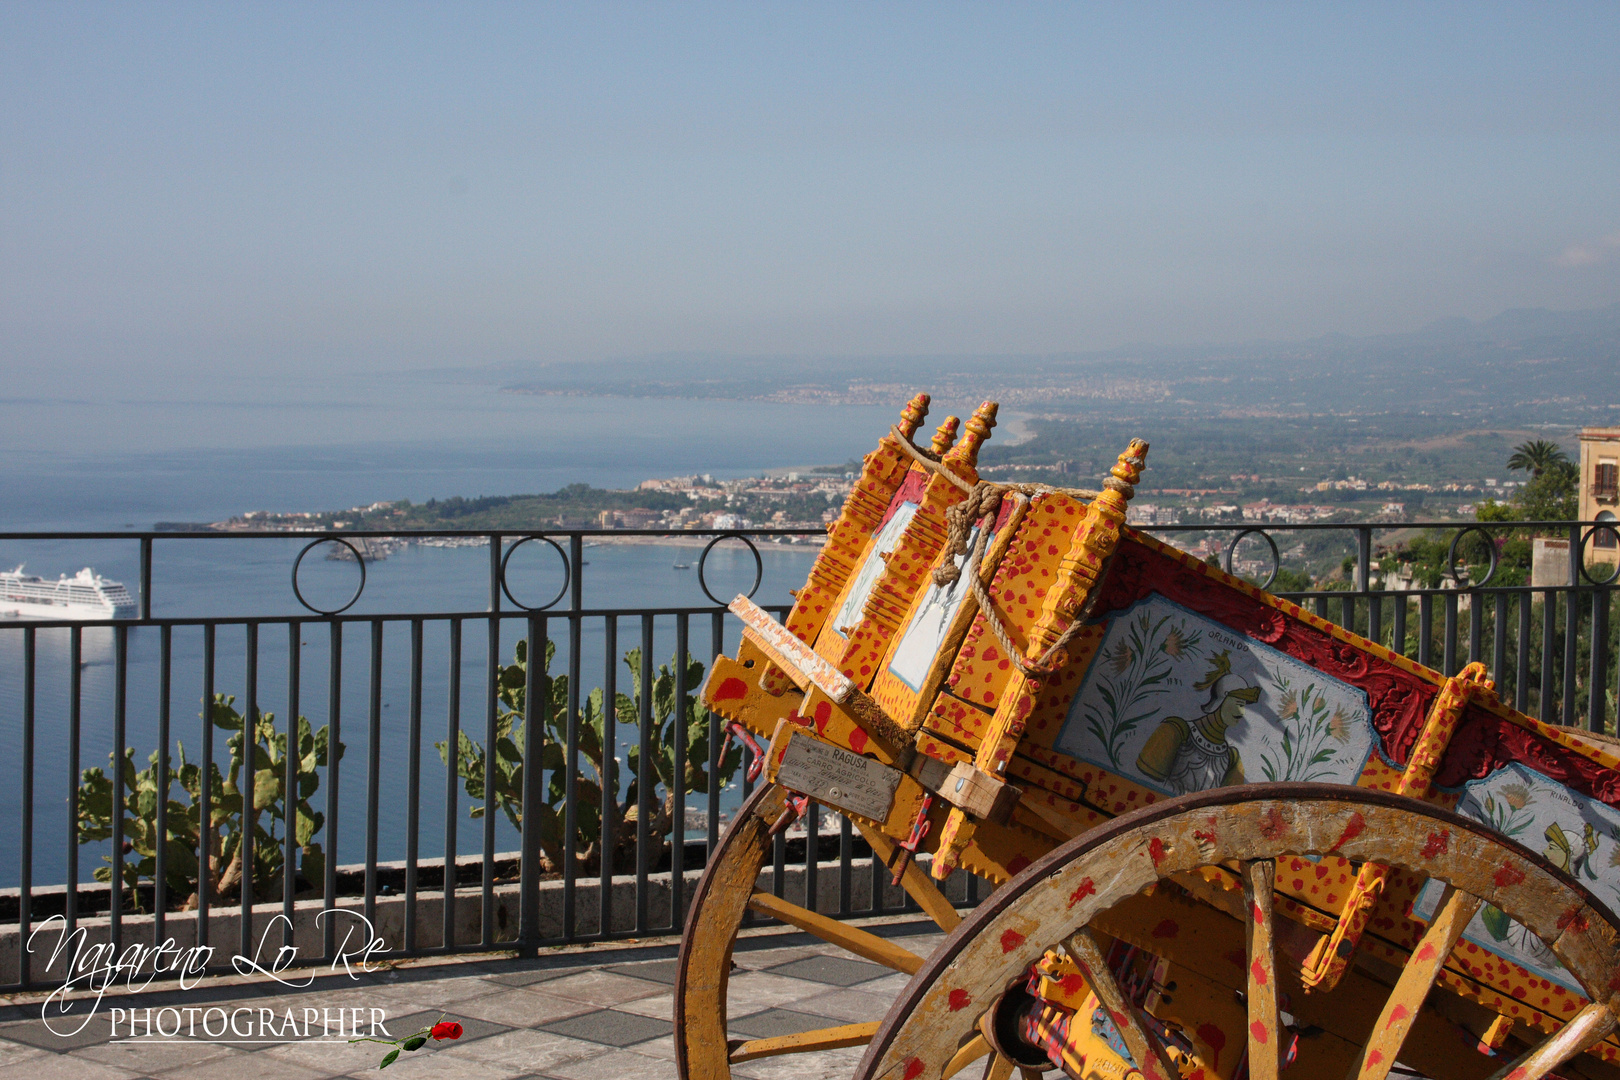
<point>593,1014</point>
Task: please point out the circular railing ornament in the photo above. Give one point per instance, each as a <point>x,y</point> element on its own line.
<point>300,561</point>
<point>1276,558</point>
<point>1587,538</point>
<point>703,561</point>
<point>568,574</point>
<point>1451,556</point>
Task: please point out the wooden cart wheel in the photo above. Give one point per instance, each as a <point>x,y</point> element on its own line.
<point>1086,889</point>
<point>724,894</point>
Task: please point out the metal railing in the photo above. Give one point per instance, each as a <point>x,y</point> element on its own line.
<point>1550,646</point>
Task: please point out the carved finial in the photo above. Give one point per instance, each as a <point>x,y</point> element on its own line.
<point>1128,470</point>
<point>978,430</point>
<point>912,416</point>
<point>945,436</point>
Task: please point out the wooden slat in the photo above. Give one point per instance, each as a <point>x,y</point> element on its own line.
<point>972,1050</point>
<point>1084,949</point>
<point>851,938</point>
<point>918,885</point>
<point>1265,1027</point>
<point>1417,979</point>
<point>806,1042</point>
<point>1583,1032</point>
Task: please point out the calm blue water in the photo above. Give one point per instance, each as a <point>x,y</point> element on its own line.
<point>208,453</point>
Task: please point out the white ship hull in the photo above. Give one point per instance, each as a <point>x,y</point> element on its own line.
<point>85,597</point>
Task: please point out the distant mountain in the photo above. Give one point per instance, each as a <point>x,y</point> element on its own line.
<point>1526,365</point>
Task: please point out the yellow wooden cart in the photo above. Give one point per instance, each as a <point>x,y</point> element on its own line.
<point>1228,837</point>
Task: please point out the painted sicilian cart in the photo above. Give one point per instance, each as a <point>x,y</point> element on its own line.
<point>1228,838</point>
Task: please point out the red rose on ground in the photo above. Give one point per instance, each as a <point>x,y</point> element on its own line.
<point>446,1029</point>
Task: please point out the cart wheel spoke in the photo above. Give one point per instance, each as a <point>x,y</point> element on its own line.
<point>1085,950</point>
<point>1417,979</point>
<point>918,885</point>
<point>972,1050</point>
<point>1584,1031</point>
<point>1265,1030</point>
<point>805,1042</point>
<point>850,938</point>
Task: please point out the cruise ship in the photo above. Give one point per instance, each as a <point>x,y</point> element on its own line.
<point>85,595</point>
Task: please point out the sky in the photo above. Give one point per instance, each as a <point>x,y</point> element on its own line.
<point>283,188</point>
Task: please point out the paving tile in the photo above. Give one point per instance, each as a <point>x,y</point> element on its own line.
<point>889,985</point>
<point>659,1007</point>
<point>773,1022</point>
<point>523,1008</point>
<point>531,976</point>
<point>326,1056</point>
<point>848,1006</point>
<point>660,971</point>
<point>610,1028</point>
<point>759,959</point>
<point>832,970</point>
<point>823,1065</point>
<point>239,1065</point>
<point>529,1051</point>
<point>13,1052</point>
<point>35,1033</point>
<point>441,1064</point>
<point>756,990</point>
<point>620,1065</point>
<point>63,1067</point>
<point>663,1049</point>
<point>154,1056</point>
<point>603,988</point>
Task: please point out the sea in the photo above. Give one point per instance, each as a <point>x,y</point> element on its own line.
<point>123,456</point>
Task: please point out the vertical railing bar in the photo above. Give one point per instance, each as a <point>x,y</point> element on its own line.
<point>373,769</point>
<point>146,583</point>
<point>1499,639</point>
<point>452,740</point>
<point>718,743</point>
<point>846,856</point>
<point>120,661</point>
<point>1347,612</point>
<point>1521,681</point>
<point>25,844</point>
<point>677,829</point>
<point>1375,617</point>
<point>492,665</point>
<point>571,774</point>
<point>1572,635</point>
<point>334,748</point>
<point>250,811</point>
<point>1598,677</point>
<point>607,842</point>
<point>812,855</point>
<point>160,861</point>
<point>292,781</point>
<point>1476,626</point>
<point>1449,664</point>
<point>1426,629</point>
<point>779,865</point>
<point>1320,603</point>
<point>879,878</point>
<point>1397,630</point>
<point>413,788</point>
<point>205,811</point>
<point>534,733</point>
<point>644,774</point>
<point>1549,615</point>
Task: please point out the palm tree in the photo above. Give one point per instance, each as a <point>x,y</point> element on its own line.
<point>1537,456</point>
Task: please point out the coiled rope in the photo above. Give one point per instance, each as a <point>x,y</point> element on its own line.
<point>984,500</point>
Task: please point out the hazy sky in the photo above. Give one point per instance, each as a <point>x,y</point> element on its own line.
<point>279,187</point>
